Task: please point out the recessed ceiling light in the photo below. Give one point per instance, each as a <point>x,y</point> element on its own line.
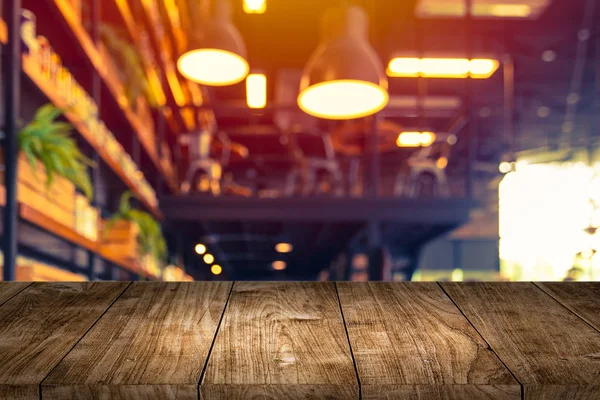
<point>284,247</point>
<point>279,265</point>
<point>549,55</point>
<point>543,111</point>
<point>200,248</point>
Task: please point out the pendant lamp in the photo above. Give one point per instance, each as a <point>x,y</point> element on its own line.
<point>216,54</point>
<point>344,77</point>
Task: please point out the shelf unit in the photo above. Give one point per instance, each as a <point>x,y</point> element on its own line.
<point>87,46</point>
<point>48,224</point>
<point>40,82</point>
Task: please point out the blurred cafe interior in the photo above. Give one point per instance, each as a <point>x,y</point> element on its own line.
<point>362,140</point>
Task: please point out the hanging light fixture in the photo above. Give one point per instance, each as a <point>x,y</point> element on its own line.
<point>344,77</point>
<point>216,55</point>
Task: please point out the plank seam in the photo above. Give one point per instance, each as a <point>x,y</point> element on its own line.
<point>484,339</point>
<point>565,306</point>
<point>348,338</point>
<point>214,340</point>
<point>19,292</point>
<point>82,336</point>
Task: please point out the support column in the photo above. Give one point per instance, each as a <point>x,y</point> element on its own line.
<point>11,67</point>
<point>96,90</point>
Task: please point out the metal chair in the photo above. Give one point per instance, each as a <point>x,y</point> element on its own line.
<point>426,166</point>
<point>320,172</point>
<point>210,168</point>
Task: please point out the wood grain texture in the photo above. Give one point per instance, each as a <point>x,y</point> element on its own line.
<point>9,289</point>
<point>551,351</point>
<point>281,340</point>
<point>582,298</point>
<point>42,323</point>
<point>155,334</point>
<point>410,341</point>
<point>122,392</point>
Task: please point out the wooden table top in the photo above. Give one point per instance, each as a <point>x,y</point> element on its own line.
<point>299,340</point>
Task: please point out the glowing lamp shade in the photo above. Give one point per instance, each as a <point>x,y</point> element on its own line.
<point>344,78</point>
<point>410,67</point>
<point>208,258</point>
<point>279,265</point>
<point>415,139</point>
<point>216,269</point>
<point>256,90</point>
<point>216,55</point>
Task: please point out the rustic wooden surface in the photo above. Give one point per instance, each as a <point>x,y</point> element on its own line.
<point>281,340</point>
<point>551,351</point>
<point>582,298</point>
<point>9,289</point>
<point>41,324</point>
<point>448,341</point>
<point>155,338</point>
<point>397,331</point>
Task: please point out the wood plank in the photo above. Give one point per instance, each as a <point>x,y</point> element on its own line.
<point>152,343</point>
<point>281,340</point>
<point>41,324</point>
<point>10,289</point>
<point>582,298</point>
<point>551,351</point>
<point>410,341</point>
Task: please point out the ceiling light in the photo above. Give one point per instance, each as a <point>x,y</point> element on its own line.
<point>549,55</point>
<point>485,8</point>
<point>279,265</point>
<point>200,248</point>
<point>284,247</point>
<point>255,6</point>
<point>256,90</point>
<point>543,111</point>
<point>505,167</point>
<point>415,139</point>
<point>216,56</point>
<point>216,269</point>
<point>344,77</point>
<point>411,67</point>
<point>208,258</point>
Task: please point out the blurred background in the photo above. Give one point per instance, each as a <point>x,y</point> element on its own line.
<point>132,150</point>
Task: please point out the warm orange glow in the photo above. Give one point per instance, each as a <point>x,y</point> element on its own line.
<point>284,247</point>
<point>175,86</point>
<point>156,86</point>
<point>200,248</point>
<point>343,99</point>
<point>415,139</point>
<point>256,90</point>
<point>410,67</point>
<point>279,265</point>
<point>216,269</point>
<point>255,6</point>
<point>213,67</point>
<point>208,258</point>
<point>505,10</point>
<point>440,8</point>
<point>442,162</point>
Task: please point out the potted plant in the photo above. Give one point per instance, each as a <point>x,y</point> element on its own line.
<point>128,223</point>
<point>50,166</point>
<point>48,141</point>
